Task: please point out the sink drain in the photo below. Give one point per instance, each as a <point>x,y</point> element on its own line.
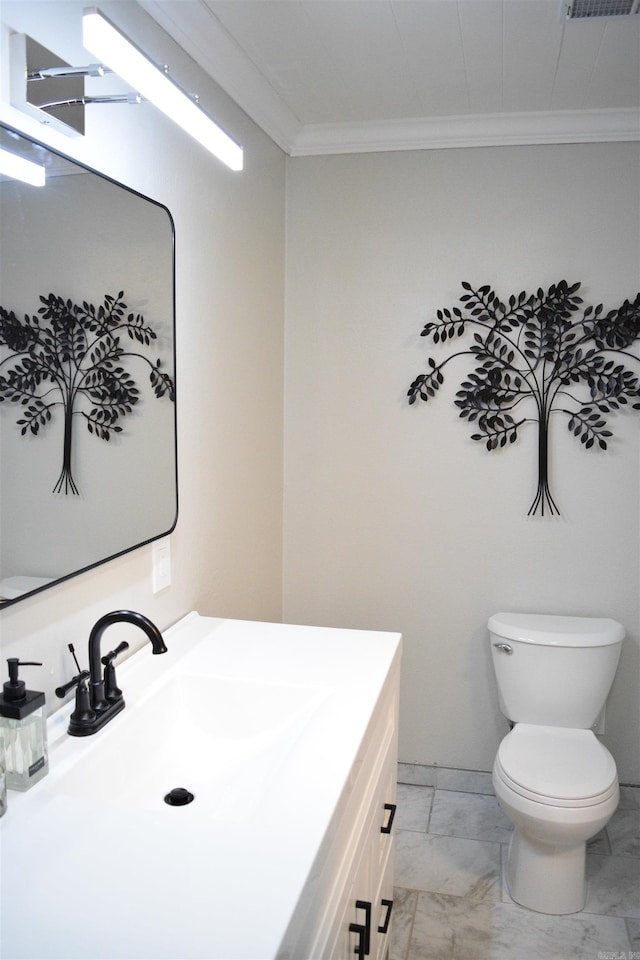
<point>178,797</point>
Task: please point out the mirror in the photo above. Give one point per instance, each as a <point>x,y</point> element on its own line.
<point>88,457</point>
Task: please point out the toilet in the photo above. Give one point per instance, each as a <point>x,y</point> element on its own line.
<point>553,778</point>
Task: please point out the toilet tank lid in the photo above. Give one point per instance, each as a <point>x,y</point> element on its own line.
<point>558,631</point>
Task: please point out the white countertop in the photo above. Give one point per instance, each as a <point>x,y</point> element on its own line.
<point>92,870</point>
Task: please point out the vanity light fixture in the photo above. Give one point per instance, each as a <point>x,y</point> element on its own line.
<point>19,168</point>
<point>102,39</point>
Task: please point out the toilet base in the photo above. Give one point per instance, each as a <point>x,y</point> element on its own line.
<point>548,879</point>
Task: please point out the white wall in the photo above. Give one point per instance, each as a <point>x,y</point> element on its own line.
<point>226,549</point>
<point>394,518</point>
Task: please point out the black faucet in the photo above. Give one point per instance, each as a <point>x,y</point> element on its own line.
<point>99,703</point>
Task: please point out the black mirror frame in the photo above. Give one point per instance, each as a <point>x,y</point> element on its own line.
<point>38,145</point>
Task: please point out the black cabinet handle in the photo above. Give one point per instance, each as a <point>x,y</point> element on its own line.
<point>360,932</point>
<point>366,905</point>
<point>383,928</point>
<point>391,807</point>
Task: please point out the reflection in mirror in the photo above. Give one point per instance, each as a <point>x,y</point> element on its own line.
<point>88,464</point>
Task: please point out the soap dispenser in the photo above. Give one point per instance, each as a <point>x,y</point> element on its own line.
<point>23,730</point>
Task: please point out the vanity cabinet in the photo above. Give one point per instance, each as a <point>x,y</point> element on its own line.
<point>345,910</point>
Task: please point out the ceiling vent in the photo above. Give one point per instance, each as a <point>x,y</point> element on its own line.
<point>586,9</point>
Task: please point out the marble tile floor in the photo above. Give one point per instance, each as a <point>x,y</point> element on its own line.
<point>451,901</point>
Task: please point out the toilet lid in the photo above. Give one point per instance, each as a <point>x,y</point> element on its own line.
<point>557,763</point>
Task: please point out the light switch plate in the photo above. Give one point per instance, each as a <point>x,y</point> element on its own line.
<point>161,565</point>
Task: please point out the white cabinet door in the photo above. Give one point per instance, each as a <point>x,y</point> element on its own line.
<point>346,912</point>
<point>365,921</point>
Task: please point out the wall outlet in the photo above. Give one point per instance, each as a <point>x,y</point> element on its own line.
<point>161,565</point>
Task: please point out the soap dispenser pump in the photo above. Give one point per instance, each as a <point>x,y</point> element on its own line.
<point>23,730</point>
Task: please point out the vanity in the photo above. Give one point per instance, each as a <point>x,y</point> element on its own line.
<point>286,739</point>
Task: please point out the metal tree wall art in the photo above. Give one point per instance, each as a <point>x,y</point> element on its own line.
<point>538,354</point>
<point>70,356</point>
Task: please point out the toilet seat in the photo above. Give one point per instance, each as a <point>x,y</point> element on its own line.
<point>556,766</point>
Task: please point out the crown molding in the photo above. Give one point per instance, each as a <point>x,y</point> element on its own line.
<point>438,133</point>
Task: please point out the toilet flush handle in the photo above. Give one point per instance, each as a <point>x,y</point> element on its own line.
<point>504,647</point>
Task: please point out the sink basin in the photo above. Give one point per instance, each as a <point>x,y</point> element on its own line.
<point>213,736</point>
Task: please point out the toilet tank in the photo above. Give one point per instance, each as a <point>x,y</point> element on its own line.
<point>553,670</point>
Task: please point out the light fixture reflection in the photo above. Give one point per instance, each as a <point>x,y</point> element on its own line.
<point>19,168</point>
<point>112,48</point>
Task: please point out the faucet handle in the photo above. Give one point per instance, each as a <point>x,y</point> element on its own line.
<point>83,712</point>
<point>112,691</point>
<point>108,657</point>
<point>64,688</point>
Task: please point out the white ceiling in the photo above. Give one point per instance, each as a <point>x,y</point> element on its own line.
<point>336,76</point>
